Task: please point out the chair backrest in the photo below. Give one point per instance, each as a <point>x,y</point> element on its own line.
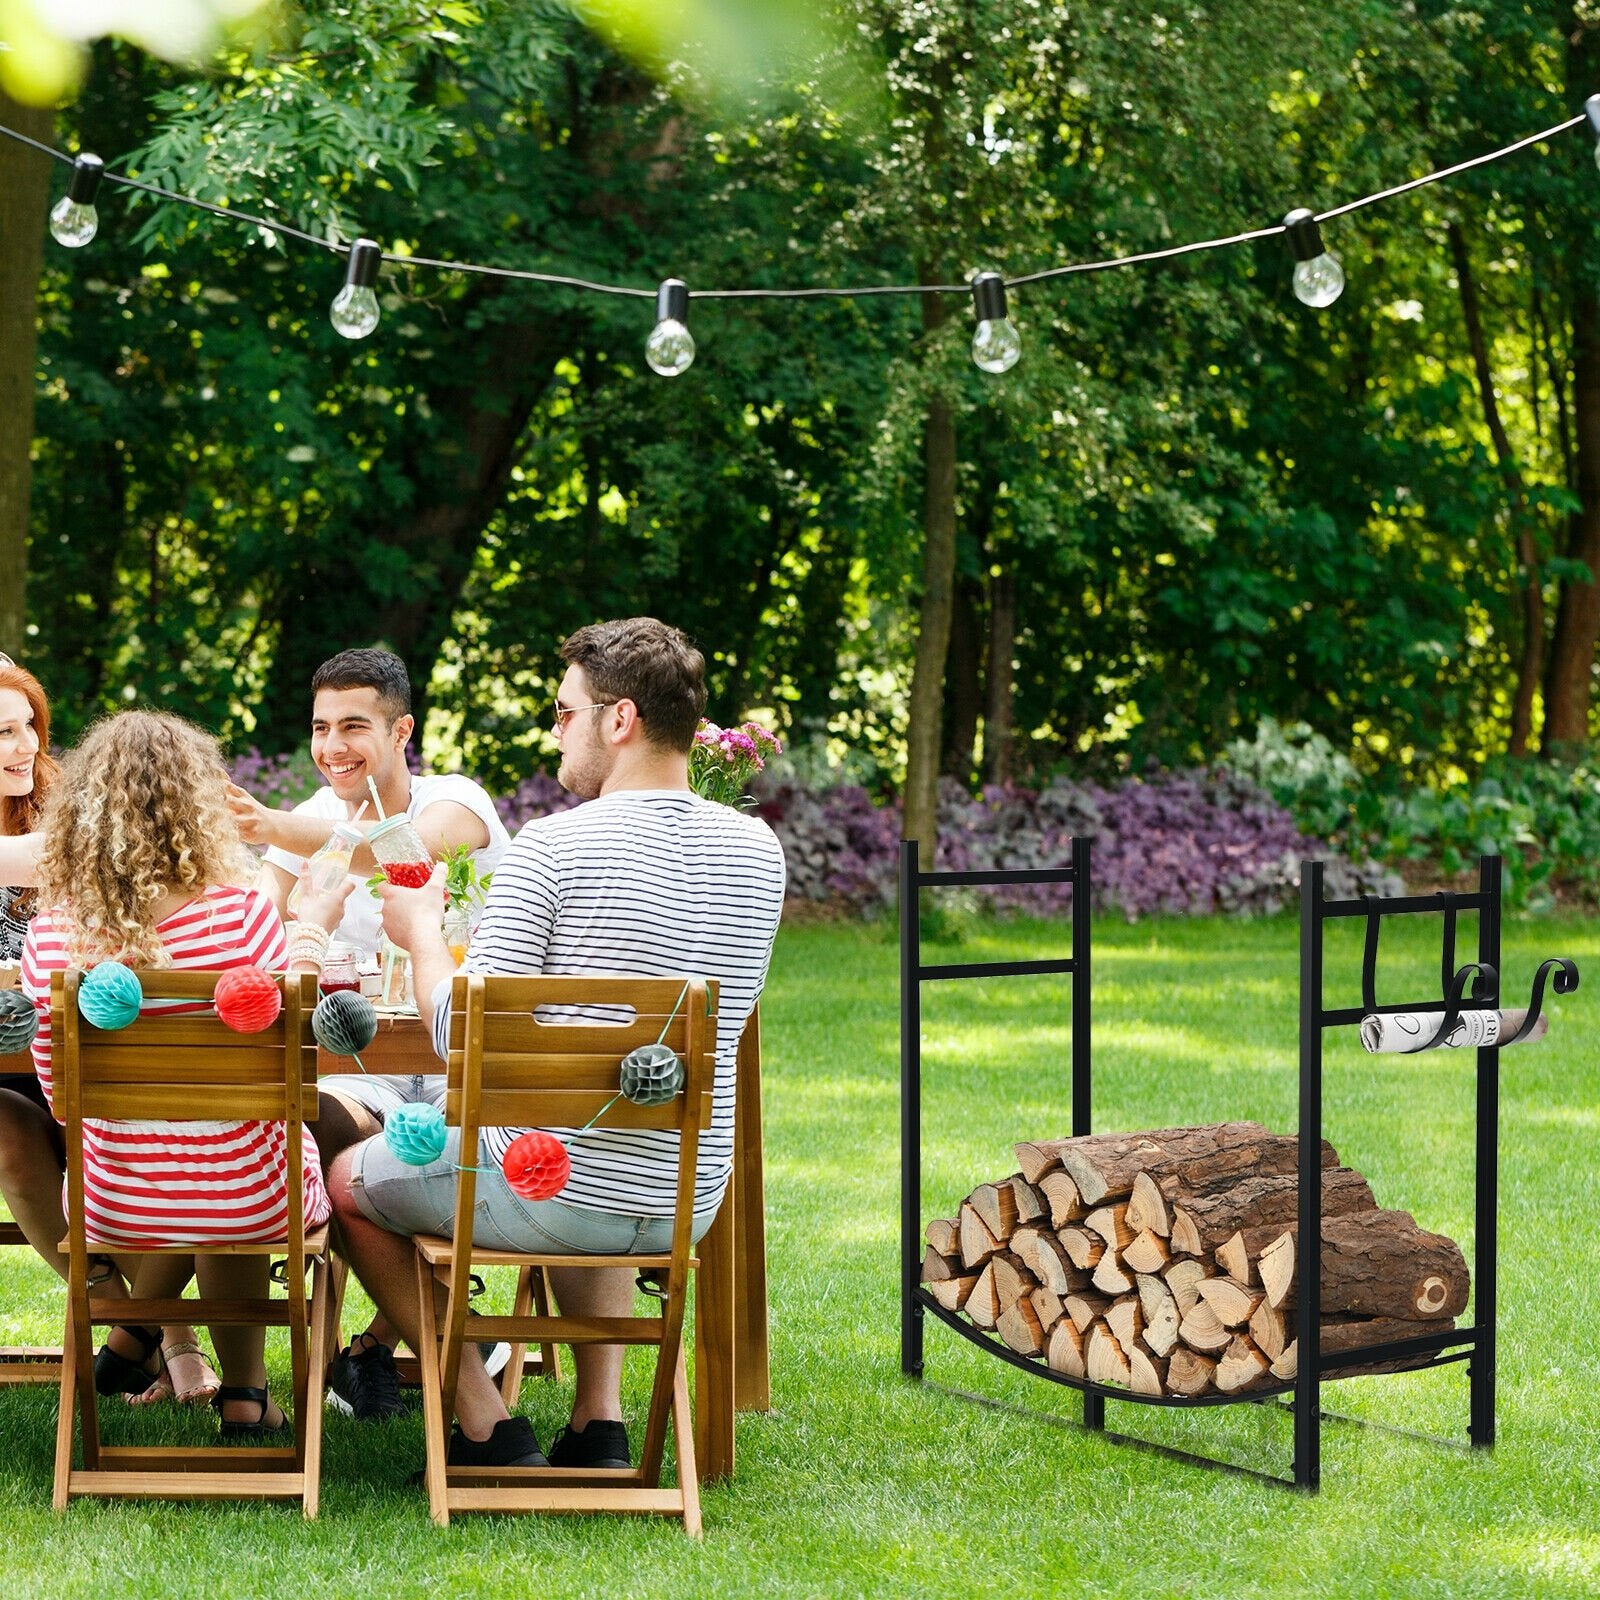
<point>177,1067</point>
<point>18,1060</point>
<point>507,1068</point>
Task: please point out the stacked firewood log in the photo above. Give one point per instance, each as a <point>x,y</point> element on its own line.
<point>1164,1262</point>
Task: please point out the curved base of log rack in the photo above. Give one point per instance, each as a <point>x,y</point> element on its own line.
<point>1301,1395</point>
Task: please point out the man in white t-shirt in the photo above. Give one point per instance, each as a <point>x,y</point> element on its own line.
<point>646,879</point>
<point>360,723</point>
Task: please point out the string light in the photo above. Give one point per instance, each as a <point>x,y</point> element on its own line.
<point>670,347</point>
<point>355,308</point>
<point>996,345</point>
<point>1318,277</point>
<point>74,220</point>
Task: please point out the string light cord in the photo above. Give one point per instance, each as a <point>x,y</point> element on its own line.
<point>849,291</point>
<point>670,349</point>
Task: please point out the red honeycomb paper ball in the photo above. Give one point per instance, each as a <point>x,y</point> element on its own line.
<point>537,1165</point>
<point>248,1000</point>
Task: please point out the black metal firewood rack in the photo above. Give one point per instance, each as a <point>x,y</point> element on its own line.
<point>1476,984</point>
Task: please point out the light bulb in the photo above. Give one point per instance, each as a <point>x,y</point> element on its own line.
<point>1591,109</point>
<point>354,311</point>
<point>670,347</point>
<point>1318,277</point>
<point>73,218</point>
<point>1319,281</point>
<point>996,344</point>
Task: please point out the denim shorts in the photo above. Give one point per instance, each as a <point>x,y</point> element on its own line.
<point>407,1199</point>
<point>380,1093</point>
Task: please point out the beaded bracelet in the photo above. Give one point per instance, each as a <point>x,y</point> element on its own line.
<point>307,942</point>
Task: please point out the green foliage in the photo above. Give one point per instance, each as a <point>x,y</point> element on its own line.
<point>465,888</point>
<point>1212,506</point>
<point>1302,771</point>
<point>1543,818</point>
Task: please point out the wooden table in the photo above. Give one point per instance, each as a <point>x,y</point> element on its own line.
<point>732,1357</point>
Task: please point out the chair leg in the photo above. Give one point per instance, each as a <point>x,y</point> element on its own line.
<point>655,1432</point>
<point>683,1438</point>
<point>309,1420</point>
<point>338,1277</point>
<point>549,1354</point>
<point>65,1412</point>
<point>435,1424</point>
<point>521,1306</point>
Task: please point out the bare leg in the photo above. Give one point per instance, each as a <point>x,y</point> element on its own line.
<point>30,1179</point>
<point>384,1263</point>
<point>341,1125</point>
<point>595,1292</point>
<point>30,1176</point>
<point>242,1351</point>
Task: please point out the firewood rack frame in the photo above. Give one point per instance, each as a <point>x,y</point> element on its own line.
<point>1474,1344</point>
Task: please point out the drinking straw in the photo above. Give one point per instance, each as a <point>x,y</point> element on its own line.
<point>375,800</point>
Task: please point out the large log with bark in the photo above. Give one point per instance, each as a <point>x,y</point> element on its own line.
<point>1105,1165</point>
<point>1165,1262</point>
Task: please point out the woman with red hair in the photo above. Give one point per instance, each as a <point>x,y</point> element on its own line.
<point>26,773</point>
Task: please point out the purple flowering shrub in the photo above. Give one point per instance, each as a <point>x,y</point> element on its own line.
<point>279,781</point>
<point>536,796</point>
<point>1180,843</point>
<point>1170,843</point>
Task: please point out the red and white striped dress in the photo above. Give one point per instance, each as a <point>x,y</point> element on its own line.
<point>184,1182</point>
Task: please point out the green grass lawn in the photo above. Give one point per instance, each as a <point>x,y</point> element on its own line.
<point>860,1482</point>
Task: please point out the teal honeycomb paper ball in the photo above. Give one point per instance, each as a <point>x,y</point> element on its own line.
<point>344,1022</point>
<point>19,1022</point>
<point>416,1133</point>
<point>651,1075</point>
<point>110,996</point>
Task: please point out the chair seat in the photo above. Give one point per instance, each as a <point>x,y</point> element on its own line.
<point>316,1245</point>
<point>435,1249</point>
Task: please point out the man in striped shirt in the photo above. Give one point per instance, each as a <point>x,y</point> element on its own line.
<point>646,879</point>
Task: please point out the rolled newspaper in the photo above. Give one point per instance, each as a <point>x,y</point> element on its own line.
<point>1399,1032</point>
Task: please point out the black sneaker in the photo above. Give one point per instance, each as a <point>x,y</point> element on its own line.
<point>364,1384</point>
<point>512,1444</point>
<point>494,1356</point>
<point>600,1444</point>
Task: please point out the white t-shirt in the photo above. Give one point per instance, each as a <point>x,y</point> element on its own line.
<point>362,927</point>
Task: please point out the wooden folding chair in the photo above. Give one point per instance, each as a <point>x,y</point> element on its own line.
<point>26,1363</point>
<point>178,1068</point>
<point>508,1069</point>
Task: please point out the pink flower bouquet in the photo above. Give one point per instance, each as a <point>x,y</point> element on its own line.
<point>724,760</point>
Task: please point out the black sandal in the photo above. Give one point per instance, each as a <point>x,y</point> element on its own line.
<point>260,1428</point>
<point>115,1373</point>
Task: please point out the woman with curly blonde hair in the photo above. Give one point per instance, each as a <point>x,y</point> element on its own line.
<point>142,864</point>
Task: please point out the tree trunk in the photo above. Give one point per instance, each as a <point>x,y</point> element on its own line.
<point>25,177</point>
<point>1578,616</point>
<point>998,727</point>
<point>963,683</point>
<point>1530,664</point>
<point>933,631</point>
<point>440,535</point>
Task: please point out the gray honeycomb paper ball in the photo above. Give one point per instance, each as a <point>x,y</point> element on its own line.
<point>651,1075</point>
<point>344,1022</point>
<point>19,1022</point>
